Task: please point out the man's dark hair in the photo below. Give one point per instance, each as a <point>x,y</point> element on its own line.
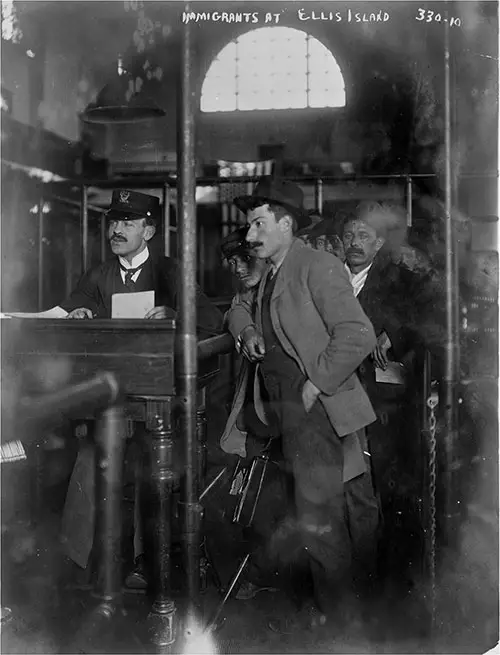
<point>384,217</point>
<point>387,219</point>
<point>149,220</point>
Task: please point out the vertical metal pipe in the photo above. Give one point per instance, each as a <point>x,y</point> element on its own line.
<point>202,258</point>
<point>225,219</point>
<point>69,263</point>
<point>166,220</point>
<point>318,192</point>
<point>233,217</point>
<point>186,341</point>
<point>103,237</point>
<point>110,447</point>
<point>409,201</point>
<point>110,442</point>
<point>452,355</point>
<point>40,254</point>
<point>84,219</point>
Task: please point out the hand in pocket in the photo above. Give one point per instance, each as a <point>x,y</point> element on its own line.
<point>310,393</point>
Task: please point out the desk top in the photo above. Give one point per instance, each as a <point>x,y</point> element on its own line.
<point>140,353</point>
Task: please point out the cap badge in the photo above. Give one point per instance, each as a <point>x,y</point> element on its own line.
<point>124,196</point>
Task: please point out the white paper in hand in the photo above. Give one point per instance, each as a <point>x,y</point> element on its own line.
<point>132,305</point>
<point>394,374</point>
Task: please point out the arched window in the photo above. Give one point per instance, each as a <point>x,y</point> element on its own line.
<point>273,68</point>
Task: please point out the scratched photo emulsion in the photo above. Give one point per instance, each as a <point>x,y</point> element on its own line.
<point>249,327</point>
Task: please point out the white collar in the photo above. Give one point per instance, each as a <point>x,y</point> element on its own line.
<point>360,275</point>
<point>138,260</point>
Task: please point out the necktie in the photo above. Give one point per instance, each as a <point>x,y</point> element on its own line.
<point>129,273</point>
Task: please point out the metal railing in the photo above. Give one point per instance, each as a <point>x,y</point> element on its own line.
<point>102,394</point>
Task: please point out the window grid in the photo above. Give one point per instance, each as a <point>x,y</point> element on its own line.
<point>314,79</point>
<point>308,74</point>
<point>237,73</point>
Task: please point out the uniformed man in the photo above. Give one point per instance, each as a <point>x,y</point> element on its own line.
<point>131,225</point>
<point>132,218</point>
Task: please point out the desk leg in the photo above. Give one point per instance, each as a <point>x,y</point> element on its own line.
<point>162,616</point>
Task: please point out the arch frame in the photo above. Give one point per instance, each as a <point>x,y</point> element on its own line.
<point>204,71</point>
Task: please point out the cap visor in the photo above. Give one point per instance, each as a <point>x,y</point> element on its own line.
<point>121,213</point>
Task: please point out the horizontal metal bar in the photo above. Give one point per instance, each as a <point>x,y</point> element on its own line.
<point>158,182</point>
<point>219,345</point>
<point>99,392</point>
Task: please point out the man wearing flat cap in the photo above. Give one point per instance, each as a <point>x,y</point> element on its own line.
<point>248,270</point>
<point>309,336</point>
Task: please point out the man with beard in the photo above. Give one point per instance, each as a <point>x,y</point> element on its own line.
<point>309,337</point>
<point>131,225</point>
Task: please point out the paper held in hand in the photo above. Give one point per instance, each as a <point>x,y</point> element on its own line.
<point>132,305</point>
<point>393,374</point>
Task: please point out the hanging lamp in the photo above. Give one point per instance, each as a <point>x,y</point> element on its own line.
<point>120,102</point>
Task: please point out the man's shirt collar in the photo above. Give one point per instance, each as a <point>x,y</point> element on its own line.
<point>358,279</point>
<point>138,260</point>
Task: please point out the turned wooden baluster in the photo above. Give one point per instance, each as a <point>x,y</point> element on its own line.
<point>159,514</point>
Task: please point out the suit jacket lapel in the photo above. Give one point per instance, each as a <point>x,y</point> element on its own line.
<point>370,283</point>
<point>282,281</point>
<point>374,280</point>
<point>260,293</point>
<point>284,276</point>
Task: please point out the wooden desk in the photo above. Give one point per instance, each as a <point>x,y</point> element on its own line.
<point>141,354</point>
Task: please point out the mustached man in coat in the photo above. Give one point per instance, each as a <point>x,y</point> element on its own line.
<point>404,307</point>
<point>131,225</point>
<point>132,219</point>
<point>309,337</point>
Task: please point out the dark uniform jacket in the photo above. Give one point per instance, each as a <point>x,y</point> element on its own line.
<point>405,305</point>
<point>160,274</point>
<point>94,292</point>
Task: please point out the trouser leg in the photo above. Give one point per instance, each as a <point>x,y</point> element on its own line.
<point>138,530</point>
<point>314,452</point>
<point>363,516</point>
<point>270,511</point>
<point>78,521</point>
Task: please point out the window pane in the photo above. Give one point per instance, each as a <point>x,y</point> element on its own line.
<point>267,68</point>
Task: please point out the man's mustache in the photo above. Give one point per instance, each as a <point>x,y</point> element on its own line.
<point>355,251</point>
<point>255,244</point>
<point>116,237</point>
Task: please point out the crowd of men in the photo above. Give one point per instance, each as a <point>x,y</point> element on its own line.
<point>331,329</point>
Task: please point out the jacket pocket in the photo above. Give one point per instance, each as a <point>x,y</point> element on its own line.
<point>348,385</point>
